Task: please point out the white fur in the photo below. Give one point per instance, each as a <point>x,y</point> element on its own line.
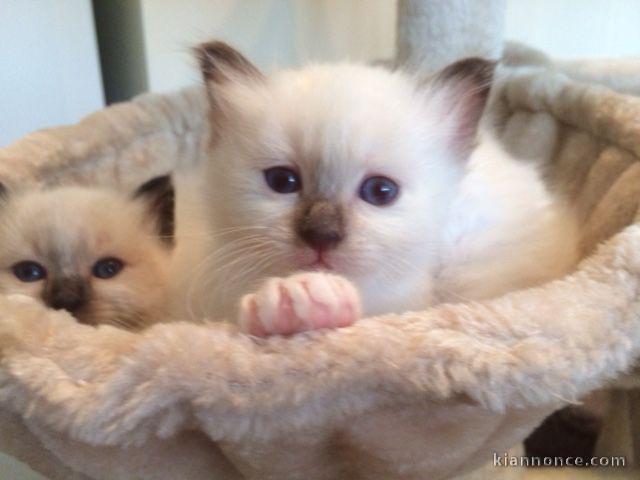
<point>506,230</point>
<point>475,229</point>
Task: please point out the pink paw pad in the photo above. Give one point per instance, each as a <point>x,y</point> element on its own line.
<point>301,302</point>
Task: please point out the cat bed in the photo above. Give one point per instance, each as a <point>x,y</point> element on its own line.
<point>419,395</point>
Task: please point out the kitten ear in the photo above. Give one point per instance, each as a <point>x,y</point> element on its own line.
<point>221,63</point>
<point>464,89</point>
<point>159,197</point>
<point>222,67</point>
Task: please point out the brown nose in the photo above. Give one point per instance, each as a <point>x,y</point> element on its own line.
<point>321,225</point>
<point>66,293</point>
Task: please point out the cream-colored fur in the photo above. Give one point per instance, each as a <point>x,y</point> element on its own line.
<point>67,230</point>
<point>477,376</point>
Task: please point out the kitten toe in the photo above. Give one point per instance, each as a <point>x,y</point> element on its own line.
<point>301,302</point>
<point>322,300</point>
<point>350,308</point>
<point>249,320</point>
<point>270,310</point>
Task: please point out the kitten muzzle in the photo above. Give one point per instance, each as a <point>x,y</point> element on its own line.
<point>67,293</point>
<point>320,224</point>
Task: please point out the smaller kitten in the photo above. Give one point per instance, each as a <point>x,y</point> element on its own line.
<point>99,254</point>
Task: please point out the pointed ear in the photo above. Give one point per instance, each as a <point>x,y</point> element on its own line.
<point>463,88</point>
<point>222,66</point>
<point>159,198</point>
<point>221,63</point>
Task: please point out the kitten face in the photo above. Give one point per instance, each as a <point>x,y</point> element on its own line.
<point>345,168</point>
<point>92,252</point>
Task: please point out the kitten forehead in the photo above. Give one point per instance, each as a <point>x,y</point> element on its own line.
<point>337,121</point>
<point>337,124</point>
<point>339,99</point>
<point>68,226</point>
<point>67,230</point>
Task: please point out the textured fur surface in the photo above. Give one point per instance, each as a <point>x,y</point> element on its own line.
<point>311,405</point>
<point>501,367</point>
<point>74,389</point>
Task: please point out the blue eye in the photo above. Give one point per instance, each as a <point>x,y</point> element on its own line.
<point>282,179</point>
<point>106,268</point>
<point>29,271</point>
<point>379,191</point>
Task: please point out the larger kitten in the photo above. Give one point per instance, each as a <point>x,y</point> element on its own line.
<point>99,254</point>
<point>360,178</point>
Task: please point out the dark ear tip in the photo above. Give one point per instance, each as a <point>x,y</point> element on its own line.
<point>479,70</point>
<point>159,195</point>
<point>209,53</point>
<point>215,56</point>
<point>162,183</point>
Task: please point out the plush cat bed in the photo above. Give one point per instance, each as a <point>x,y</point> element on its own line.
<point>420,395</point>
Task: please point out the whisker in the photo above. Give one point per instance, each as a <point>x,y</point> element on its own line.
<point>234,254</point>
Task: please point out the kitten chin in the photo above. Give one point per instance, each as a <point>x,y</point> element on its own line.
<point>363,173</point>
<point>99,254</point>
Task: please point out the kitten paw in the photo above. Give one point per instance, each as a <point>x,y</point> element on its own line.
<point>301,302</point>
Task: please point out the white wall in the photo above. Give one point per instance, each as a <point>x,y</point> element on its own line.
<point>49,70</point>
<point>49,73</point>
<point>576,28</point>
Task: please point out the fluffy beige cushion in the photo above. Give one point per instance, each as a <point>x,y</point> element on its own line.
<point>420,395</point>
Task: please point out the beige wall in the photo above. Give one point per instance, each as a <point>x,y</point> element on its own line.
<point>271,32</point>
<point>49,71</point>
<point>290,32</point>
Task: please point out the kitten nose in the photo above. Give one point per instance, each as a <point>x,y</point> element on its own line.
<point>321,225</point>
<point>67,293</point>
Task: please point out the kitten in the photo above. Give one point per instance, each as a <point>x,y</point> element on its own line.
<point>342,190</point>
<point>99,254</point>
